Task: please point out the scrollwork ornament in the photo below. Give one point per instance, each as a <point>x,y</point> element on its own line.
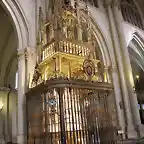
<point>57,74</point>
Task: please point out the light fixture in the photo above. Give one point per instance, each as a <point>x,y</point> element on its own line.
<point>137,77</point>
<point>1,106</point>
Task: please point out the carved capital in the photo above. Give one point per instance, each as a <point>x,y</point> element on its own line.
<point>31,51</point>
<point>21,54</point>
<point>25,53</point>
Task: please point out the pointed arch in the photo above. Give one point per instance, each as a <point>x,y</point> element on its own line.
<point>136,50</point>
<point>20,23</point>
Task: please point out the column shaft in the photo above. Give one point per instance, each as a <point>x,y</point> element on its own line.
<point>14,125</point>
<point>118,99</point>
<point>129,129</point>
<point>117,89</point>
<point>128,69</point>
<point>129,76</point>
<point>21,99</point>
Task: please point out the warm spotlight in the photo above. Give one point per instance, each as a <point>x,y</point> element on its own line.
<point>137,76</point>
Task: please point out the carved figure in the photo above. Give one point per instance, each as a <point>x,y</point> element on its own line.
<point>36,76</point>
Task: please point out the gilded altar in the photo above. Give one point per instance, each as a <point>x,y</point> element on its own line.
<point>70,100</point>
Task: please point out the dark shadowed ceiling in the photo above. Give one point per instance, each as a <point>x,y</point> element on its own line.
<point>141,5</point>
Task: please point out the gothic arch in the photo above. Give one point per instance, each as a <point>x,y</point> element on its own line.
<point>19,20</point>
<point>136,50</point>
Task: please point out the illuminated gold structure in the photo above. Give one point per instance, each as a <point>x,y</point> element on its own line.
<point>70,100</point>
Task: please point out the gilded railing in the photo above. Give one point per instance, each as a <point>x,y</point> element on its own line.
<point>65,47</point>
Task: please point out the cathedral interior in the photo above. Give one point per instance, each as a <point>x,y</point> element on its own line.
<point>72,72</point>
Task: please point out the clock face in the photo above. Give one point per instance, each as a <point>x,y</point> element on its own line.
<point>51,102</point>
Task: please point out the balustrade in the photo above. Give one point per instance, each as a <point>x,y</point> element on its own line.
<point>65,47</point>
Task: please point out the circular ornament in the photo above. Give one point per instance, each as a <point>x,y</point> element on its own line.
<point>89,68</point>
<point>51,102</point>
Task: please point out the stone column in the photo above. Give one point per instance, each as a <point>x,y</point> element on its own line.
<point>129,131</point>
<point>21,97</point>
<point>114,78</point>
<point>30,64</point>
<point>118,98</point>
<point>127,67</point>
<point>14,124</point>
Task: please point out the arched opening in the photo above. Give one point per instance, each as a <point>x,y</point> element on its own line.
<point>8,50</point>
<point>14,36</point>
<point>8,68</point>
<point>135,49</point>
